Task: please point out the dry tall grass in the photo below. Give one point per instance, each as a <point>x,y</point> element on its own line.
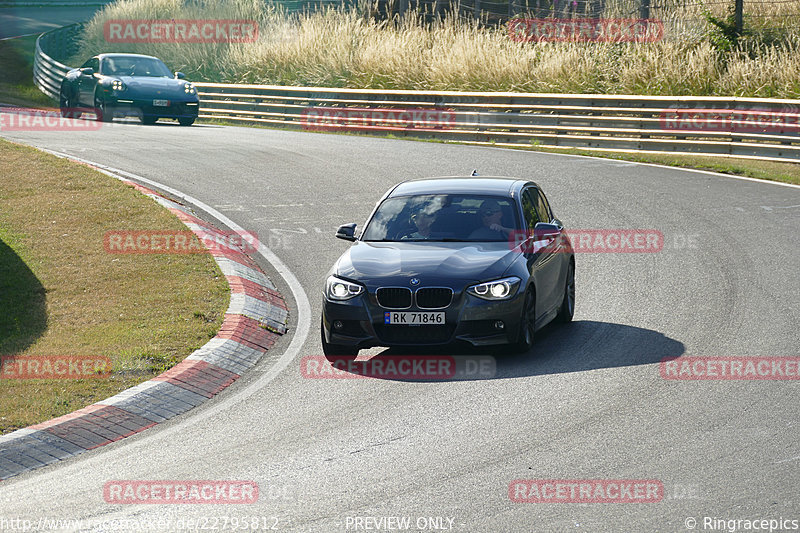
<point>347,49</point>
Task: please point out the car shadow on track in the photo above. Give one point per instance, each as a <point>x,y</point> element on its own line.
<point>575,347</point>
<point>23,303</point>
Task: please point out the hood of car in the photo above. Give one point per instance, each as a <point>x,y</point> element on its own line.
<point>451,264</point>
<point>154,86</point>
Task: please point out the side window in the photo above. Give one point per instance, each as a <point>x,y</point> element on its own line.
<point>543,208</point>
<point>529,209</point>
<point>87,64</point>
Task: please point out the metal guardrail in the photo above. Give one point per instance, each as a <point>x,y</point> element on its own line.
<point>47,72</point>
<point>753,128</point>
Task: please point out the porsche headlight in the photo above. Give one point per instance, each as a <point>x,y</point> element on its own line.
<point>500,289</point>
<point>339,290</point>
<point>117,85</point>
<point>188,88</point>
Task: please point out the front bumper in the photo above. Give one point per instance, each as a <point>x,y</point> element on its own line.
<point>468,319</point>
<point>124,107</point>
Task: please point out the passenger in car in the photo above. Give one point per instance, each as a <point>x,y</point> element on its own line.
<point>491,215</point>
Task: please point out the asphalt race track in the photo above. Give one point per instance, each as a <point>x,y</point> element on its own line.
<point>588,403</point>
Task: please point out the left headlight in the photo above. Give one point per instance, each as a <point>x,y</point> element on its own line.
<point>500,289</point>
<point>118,86</point>
<point>339,290</point>
<point>188,88</point>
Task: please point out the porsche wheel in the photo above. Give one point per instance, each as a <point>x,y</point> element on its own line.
<point>102,112</point>
<point>67,105</point>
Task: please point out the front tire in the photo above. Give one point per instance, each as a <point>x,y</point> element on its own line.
<point>527,324</point>
<point>101,111</point>
<point>567,309</point>
<point>334,349</point>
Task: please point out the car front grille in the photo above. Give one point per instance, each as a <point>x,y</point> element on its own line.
<point>434,297</point>
<point>414,334</point>
<point>394,297</point>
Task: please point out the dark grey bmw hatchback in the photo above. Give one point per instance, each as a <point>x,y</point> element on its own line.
<point>470,260</point>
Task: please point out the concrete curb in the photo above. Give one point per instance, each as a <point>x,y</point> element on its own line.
<point>255,318</point>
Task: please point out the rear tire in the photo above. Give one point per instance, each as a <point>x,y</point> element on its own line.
<point>149,121</point>
<point>186,121</point>
<point>527,324</point>
<point>66,104</point>
<point>334,349</point>
<point>567,309</point>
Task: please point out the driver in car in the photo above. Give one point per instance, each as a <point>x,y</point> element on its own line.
<point>422,220</point>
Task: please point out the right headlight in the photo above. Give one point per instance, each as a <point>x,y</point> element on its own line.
<point>337,289</point>
<point>499,289</point>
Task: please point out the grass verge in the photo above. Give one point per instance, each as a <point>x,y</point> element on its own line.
<point>349,48</point>
<point>16,83</point>
<point>61,294</point>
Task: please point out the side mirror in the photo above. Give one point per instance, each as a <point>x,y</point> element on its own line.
<point>347,232</point>
<point>179,75</point>
<point>87,71</point>
<point>543,231</point>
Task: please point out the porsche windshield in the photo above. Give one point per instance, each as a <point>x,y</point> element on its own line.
<point>135,66</point>
<point>443,217</point>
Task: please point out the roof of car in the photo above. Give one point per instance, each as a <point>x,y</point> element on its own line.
<point>102,56</point>
<point>497,185</point>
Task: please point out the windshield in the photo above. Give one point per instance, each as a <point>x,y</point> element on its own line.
<point>443,217</point>
<point>135,66</point>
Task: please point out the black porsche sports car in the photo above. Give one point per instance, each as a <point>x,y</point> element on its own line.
<point>446,260</point>
<point>118,85</point>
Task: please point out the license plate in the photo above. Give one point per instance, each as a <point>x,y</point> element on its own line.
<point>412,318</point>
<point>161,103</point>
